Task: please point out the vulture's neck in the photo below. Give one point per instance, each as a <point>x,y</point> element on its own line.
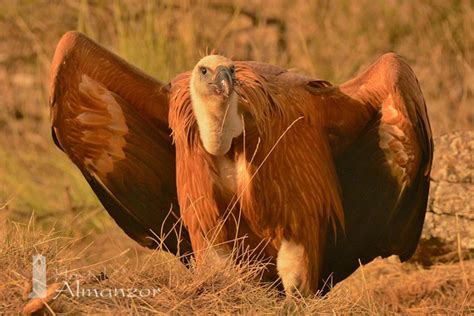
<point>218,121</point>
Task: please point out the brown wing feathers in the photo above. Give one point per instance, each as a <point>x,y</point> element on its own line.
<point>111,120</point>
<point>383,172</point>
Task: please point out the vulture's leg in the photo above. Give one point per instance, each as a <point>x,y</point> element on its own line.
<point>298,261</point>
<point>291,266</point>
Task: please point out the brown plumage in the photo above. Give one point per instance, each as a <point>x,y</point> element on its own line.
<point>312,177</point>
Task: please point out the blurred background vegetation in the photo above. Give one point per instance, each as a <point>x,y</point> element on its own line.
<point>326,39</point>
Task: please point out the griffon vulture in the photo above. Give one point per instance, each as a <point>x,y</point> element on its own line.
<point>313,177</point>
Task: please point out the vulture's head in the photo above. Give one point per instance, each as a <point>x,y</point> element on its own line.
<point>214,103</point>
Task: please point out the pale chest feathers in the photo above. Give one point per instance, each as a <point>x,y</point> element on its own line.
<point>232,174</point>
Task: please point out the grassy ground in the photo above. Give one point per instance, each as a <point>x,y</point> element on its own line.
<point>326,39</point>
<point>383,286</point>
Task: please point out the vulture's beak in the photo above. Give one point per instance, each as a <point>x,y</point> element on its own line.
<point>223,81</point>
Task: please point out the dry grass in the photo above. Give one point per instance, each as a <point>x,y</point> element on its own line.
<point>326,39</point>
<point>216,287</point>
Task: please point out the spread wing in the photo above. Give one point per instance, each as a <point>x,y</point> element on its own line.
<point>381,140</point>
<point>111,119</point>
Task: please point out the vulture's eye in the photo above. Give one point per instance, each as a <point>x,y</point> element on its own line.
<point>232,69</point>
<point>203,70</point>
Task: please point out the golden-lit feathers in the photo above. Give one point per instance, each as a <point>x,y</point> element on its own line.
<point>322,176</point>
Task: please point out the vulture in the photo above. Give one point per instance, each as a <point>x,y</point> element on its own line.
<point>315,178</point>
